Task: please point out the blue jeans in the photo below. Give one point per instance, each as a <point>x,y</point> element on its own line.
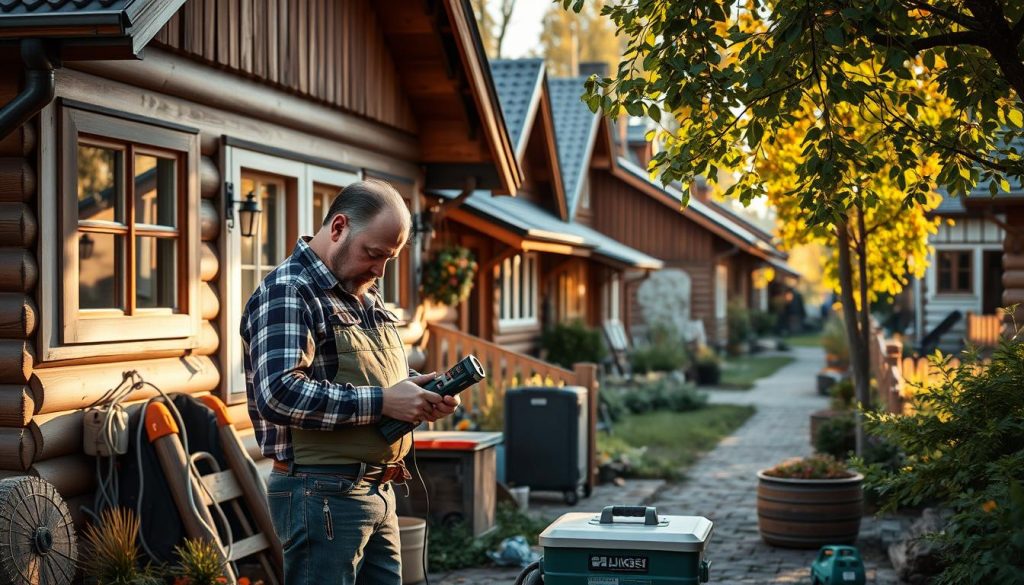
<point>335,531</point>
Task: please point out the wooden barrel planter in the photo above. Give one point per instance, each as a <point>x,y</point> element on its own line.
<point>809,513</point>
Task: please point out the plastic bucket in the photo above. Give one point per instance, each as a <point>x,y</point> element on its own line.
<point>412,535</point>
<point>522,497</point>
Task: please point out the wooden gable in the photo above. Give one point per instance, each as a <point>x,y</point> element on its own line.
<point>332,52</point>
<point>542,174</point>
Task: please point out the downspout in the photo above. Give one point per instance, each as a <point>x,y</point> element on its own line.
<point>38,90</point>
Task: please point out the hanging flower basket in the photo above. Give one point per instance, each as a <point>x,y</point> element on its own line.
<point>448,276</point>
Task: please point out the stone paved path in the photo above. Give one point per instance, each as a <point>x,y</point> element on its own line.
<point>722,486</point>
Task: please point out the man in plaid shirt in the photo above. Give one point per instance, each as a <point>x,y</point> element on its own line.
<point>324,362</point>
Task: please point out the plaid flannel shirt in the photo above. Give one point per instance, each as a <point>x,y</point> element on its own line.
<point>291,358</point>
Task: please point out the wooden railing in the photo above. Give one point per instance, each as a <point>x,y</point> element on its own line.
<point>900,377</point>
<point>885,365</point>
<point>506,370</point>
<point>984,330</point>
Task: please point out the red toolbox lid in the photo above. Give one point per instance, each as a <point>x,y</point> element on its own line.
<point>456,440</point>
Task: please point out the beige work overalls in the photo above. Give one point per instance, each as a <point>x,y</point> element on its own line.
<point>366,357</point>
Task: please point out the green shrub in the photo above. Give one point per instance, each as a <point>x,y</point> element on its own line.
<point>964,451</point>
<point>813,467</point>
<point>836,436</point>
<point>842,393</point>
<point>763,322</point>
<point>571,343</point>
<point>454,547</point>
<point>663,395</point>
<point>833,340</point>
<point>737,319</point>
<point>614,401</point>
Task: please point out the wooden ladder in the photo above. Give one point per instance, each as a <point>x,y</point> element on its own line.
<point>237,489</point>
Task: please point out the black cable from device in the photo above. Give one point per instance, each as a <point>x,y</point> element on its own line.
<point>426,496</point>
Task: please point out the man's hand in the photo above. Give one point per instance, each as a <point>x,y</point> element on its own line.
<point>445,407</point>
<point>408,401</point>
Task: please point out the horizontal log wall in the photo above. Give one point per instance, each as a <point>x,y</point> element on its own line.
<point>19,272</point>
<point>41,408</point>
<point>331,51</point>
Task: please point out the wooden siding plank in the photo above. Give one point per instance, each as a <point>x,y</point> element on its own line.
<point>210,29</point>
<point>246,41</point>
<point>260,41</point>
<point>321,48</point>
<point>302,45</point>
<point>223,36</point>
<point>330,50</point>
<point>286,46</point>
<point>274,27</point>
<point>233,32</point>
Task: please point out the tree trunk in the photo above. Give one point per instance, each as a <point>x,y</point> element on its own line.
<point>859,358</point>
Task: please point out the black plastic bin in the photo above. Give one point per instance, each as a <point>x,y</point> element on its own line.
<point>546,439</point>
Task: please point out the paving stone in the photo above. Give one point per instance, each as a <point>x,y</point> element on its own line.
<point>722,486</point>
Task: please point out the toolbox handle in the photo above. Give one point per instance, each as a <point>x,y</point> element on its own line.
<point>648,513</point>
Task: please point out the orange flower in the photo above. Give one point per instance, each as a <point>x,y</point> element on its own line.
<point>989,506</point>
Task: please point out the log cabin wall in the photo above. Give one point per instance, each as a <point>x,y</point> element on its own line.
<point>19,439</point>
<point>638,221</point>
<point>40,402</point>
<point>332,52</point>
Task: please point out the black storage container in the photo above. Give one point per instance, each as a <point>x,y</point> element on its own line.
<point>546,439</point>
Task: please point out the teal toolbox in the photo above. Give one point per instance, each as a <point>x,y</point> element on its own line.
<point>625,545</point>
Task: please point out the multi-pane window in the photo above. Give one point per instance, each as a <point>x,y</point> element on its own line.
<point>268,246</point>
<point>517,281</point>
<point>572,291</point>
<point>611,298</point>
<point>127,235</point>
<point>128,228</point>
<point>956,271</point>
<point>721,290</point>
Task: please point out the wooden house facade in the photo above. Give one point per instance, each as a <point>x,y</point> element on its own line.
<point>121,241</point>
<point>964,284</point>
<point>615,196</point>
<point>539,267</point>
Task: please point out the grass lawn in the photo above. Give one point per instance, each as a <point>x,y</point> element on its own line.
<point>804,340</point>
<point>741,373</point>
<point>663,444</point>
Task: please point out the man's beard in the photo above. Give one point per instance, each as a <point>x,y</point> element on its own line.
<point>354,286</point>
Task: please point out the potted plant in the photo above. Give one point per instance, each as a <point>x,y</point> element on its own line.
<point>809,502</point>
<point>840,406</point>
<point>448,276</point>
<point>112,553</point>
<point>707,367</point>
<point>833,341</point>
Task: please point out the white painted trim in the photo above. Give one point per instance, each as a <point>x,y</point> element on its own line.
<point>304,175</point>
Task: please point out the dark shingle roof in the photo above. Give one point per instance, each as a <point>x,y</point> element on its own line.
<point>64,6</point>
<point>517,81</point>
<point>575,129</point>
<point>123,24</point>
<point>528,219</point>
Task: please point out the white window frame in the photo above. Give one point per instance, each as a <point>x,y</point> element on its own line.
<point>721,290</point>
<point>58,248</point>
<point>305,175</point>
<point>517,283</point>
<point>611,298</point>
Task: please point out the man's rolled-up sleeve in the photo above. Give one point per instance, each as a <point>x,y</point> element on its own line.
<point>281,350</point>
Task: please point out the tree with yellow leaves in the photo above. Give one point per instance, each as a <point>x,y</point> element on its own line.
<point>886,100</point>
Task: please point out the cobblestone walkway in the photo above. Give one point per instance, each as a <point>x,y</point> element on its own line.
<point>722,486</point>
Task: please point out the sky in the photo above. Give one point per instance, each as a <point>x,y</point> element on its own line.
<point>523,36</point>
